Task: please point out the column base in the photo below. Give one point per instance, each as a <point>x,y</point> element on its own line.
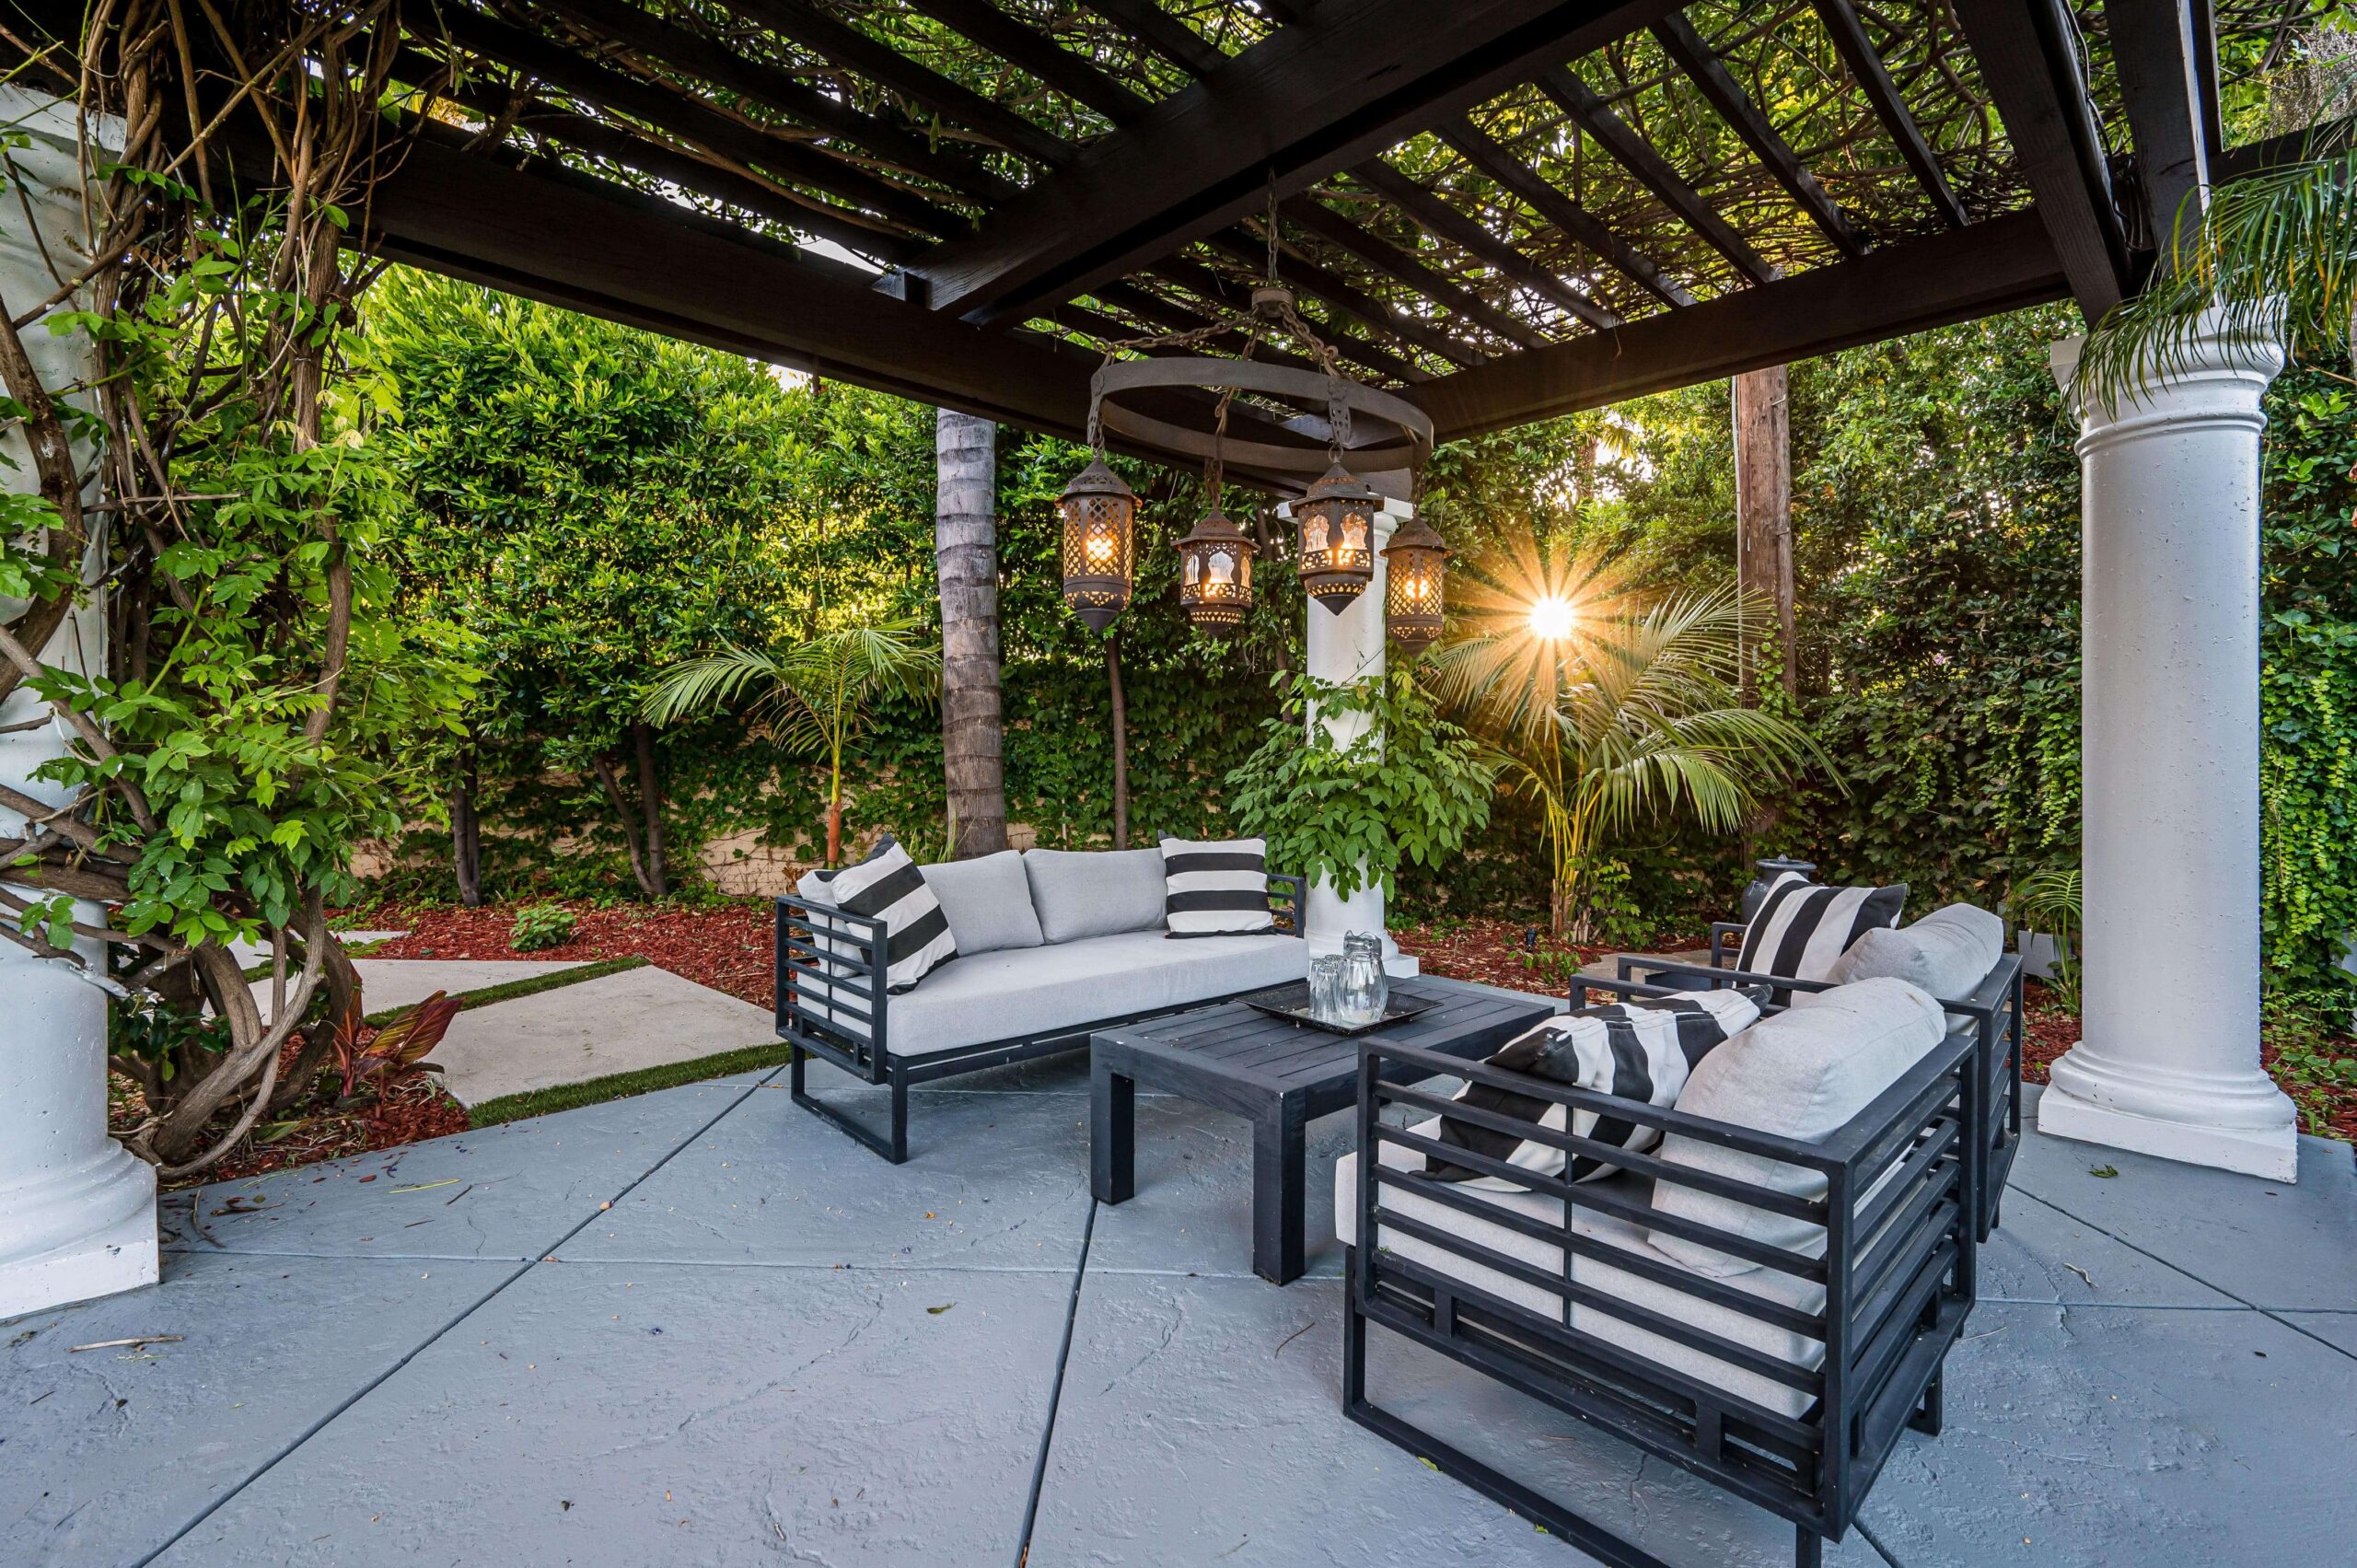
<point>116,1197</point>
<point>2270,1152</point>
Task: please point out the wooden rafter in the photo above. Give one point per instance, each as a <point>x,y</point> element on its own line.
<point>1164,33</point>
<point>1012,42</point>
<point>1867,68</point>
<point>1636,154</point>
<point>2152,48</point>
<point>1407,271</point>
<point>1477,242</point>
<point>2032,72</point>
<point>1208,285</point>
<point>1250,249</point>
<point>1341,84</point>
<point>1558,208</point>
<point>1709,72</point>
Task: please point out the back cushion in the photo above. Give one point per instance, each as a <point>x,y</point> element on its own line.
<point>988,901</point>
<point>1218,888</point>
<point>1094,892</point>
<point>1799,1074</point>
<point>1801,928</point>
<point>1641,1049</point>
<point>1948,952</point>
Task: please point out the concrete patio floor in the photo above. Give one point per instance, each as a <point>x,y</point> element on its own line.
<point>701,1327</point>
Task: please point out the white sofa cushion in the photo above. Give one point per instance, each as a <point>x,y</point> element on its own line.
<point>988,901</point>
<point>1947,953</point>
<point>1030,991</point>
<point>1801,1074</point>
<point>1083,893</point>
<point>1769,1285</point>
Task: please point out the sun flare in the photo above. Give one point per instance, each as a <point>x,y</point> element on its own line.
<point>1552,618</point>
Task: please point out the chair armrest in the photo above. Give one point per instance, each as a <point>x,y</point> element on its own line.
<point>843,958</point>
<point>1294,900</point>
<point>1721,930</point>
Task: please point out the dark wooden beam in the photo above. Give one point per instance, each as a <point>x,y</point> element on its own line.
<point>691,122</point>
<point>2002,264</point>
<point>2329,140</point>
<point>1035,52</point>
<point>1726,95</point>
<point>2031,68</point>
<point>1208,285</point>
<point>576,241</point>
<point>2152,49</point>
<point>602,140</point>
<point>1636,154</point>
<point>1165,34</point>
<point>1475,240</point>
<point>2205,72</point>
<point>1338,293</point>
<point>880,63</point>
<point>1407,270</point>
<point>1556,207</point>
<point>709,60</point>
<point>1343,84</point>
<point>1858,52</point>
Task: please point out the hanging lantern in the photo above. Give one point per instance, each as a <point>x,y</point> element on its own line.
<point>1215,574</point>
<point>1099,511</point>
<point>1337,521</point>
<point>1413,580</point>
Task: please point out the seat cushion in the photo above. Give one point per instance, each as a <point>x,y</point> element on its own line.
<point>1946,953</point>
<point>1802,928</point>
<point>988,901</point>
<point>1020,992</point>
<point>1801,1352</point>
<point>1799,1074</point>
<point>1094,892</point>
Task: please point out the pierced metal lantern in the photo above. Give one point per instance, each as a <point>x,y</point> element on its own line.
<point>1414,579</point>
<point>1215,574</point>
<point>1099,512</point>
<point>1337,520</point>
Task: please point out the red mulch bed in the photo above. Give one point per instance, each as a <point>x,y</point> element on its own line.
<point>1494,952</point>
<point>410,1110</point>
<point>725,947</point>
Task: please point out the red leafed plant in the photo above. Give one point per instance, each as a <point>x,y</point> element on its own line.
<point>400,1047</point>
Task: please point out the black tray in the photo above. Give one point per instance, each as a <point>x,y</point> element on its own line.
<point>1291,1003</point>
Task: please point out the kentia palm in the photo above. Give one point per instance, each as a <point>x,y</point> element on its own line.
<point>1609,712</point>
<point>816,697</point>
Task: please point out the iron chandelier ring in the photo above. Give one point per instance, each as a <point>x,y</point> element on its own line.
<point>1410,427</point>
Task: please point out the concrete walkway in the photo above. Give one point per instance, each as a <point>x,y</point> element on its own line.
<point>699,1327</point>
<point>616,1023</point>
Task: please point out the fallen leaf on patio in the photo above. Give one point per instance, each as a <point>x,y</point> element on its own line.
<point>565,1504</point>
<point>135,1340</point>
<point>2081,1274</point>
<point>426,1186</point>
<point>2106,1171</point>
<point>937,1311</point>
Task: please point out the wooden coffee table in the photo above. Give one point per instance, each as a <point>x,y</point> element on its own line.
<point>1280,1075</point>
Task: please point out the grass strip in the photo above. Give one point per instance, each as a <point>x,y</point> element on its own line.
<point>351,951</point>
<point>644,1080</point>
<point>507,991</point>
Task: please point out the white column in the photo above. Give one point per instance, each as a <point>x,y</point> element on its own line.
<point>1345,648</point>
<point>2167,1064</point>
<point>77,1214</point>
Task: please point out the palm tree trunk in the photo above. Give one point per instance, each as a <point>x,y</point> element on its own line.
<point>966,556</point>
<point>1120,741</point>
<point>1763,506</point>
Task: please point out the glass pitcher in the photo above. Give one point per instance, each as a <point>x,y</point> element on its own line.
<point>1366,991</point>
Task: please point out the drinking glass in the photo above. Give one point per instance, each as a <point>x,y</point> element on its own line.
<point>1325,988</point>
<point>1366,990</point>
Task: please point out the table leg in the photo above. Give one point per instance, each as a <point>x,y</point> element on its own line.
<point>1278,1189</point>
<point>1112,1134</point>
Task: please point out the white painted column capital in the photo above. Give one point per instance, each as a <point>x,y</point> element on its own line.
<point>2167,1064</point>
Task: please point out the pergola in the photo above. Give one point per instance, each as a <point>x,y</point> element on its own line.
<point>1501,210</point>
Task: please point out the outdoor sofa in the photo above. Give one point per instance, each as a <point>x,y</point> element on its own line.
<point>1768,1310</point>
<point>1052,944</point>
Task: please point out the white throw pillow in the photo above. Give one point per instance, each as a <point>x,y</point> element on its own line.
<point>1641,1049</point>
<point>988,901</point>
<point>887,886</point>
<point>1802,1075</point>
<point>1948,952</point>
<point>1218,888</point>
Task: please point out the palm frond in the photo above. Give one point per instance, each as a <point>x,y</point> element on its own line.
<point>698,686</point>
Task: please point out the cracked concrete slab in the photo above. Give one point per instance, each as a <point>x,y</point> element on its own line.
<point>2143,1434</point>
<point>1201,1422</point>
<point>617,1023</point>
<point>105,1453</point>
<point>995,1181</point>
<point>505,1192</point>
<point>600,1414</point>
<point>2041,1254</point>
<point>2338,1328</point>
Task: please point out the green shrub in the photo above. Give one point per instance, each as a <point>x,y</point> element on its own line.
<point>540,925</point>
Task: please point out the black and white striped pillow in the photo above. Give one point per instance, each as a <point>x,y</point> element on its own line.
<point>1216,889</point>
<point>1802,928</point>
<point>887,886</point>
<point>1638,1050</point>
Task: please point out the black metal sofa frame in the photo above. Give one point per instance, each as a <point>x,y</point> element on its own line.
<point>851,967</point>
<point>1897,1274</point>
<point>1993,1014</point>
